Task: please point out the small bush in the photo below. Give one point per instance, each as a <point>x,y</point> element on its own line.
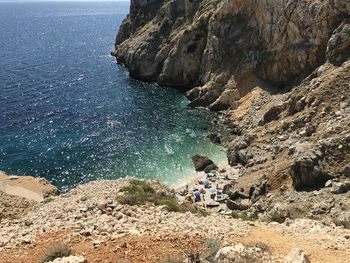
<point>58,251</point>
<point>47,200</point>
<point>211,246</point>
<point>243,217</point>
<point>141,192</point>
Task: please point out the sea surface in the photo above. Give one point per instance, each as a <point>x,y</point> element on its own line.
<point>70,114</point>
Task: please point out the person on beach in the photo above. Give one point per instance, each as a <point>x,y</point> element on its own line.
<point>206,182</point>
<point>197,196</point>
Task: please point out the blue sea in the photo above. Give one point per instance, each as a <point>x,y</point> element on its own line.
<point>70,114</point>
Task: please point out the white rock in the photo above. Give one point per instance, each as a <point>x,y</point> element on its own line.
<point>70,259</point>
<point>297,255</point>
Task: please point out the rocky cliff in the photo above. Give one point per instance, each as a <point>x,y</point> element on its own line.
<point>279,71</point>
<point>223,49</point>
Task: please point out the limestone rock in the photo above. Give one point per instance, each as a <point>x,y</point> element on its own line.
<point>70,259</point>
<point>238,254</point>
<point>343,219</point>
<point>340,187</point>
<point>297,256</point>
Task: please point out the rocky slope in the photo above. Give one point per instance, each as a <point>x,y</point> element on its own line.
<point>279,72</point>
<point>92,220</point>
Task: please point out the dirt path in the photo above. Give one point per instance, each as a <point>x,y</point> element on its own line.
<point>320,247</point>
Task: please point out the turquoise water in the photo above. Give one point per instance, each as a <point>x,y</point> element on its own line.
<point>70,114</point>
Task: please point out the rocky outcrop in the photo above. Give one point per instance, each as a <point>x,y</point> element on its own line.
<point>18,194</point>
<point>241,254</point>
<point>307,172</point>
<point>32,188</point>
<point>201,163</point>
<point>223,49</point>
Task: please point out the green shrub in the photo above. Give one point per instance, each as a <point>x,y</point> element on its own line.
<point>141,192</point>
<point>243,217</point>
<point>47,200</point>
<point>58,251</point>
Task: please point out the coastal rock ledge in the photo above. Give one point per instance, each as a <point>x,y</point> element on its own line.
<point>222,49</point>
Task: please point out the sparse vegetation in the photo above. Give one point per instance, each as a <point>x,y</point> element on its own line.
<point>243,217</point>
<point>47,200</point>
<point>211,247</point>
<point>57,251</point>
<point>141,192</point>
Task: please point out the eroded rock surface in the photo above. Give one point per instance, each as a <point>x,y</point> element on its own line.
<point>223,49</point>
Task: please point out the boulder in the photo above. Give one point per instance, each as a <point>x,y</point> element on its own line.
<point>201,162</point>
<point>102,205</point>
<point>235,194</point>
<point>239,157</point>
<point>309,129</point>
<point>307,173</point>
<point>240,205</point>
<point>70,259</point>
<point>338,47</point>
<point>282,211</point>
<point>342,219</point>
<point>346,170</point>
<point>193,93</point>
<point>237,152</point>
<point>295,104</point>
<point>228,99</point>
<point>257,190</point>
<point>238,254</point>
<point>214,137</point>
<point>340,187</point>
<point>271,115</point>
<point>211,167</point>
<point>297,256</point>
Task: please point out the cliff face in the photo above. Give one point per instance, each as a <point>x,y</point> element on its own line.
<point>280,72</point>
<point>223,49</point>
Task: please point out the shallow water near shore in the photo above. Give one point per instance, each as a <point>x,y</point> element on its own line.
<point>70,114</point>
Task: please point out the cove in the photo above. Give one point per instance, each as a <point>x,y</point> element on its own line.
<point>70,114</point>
